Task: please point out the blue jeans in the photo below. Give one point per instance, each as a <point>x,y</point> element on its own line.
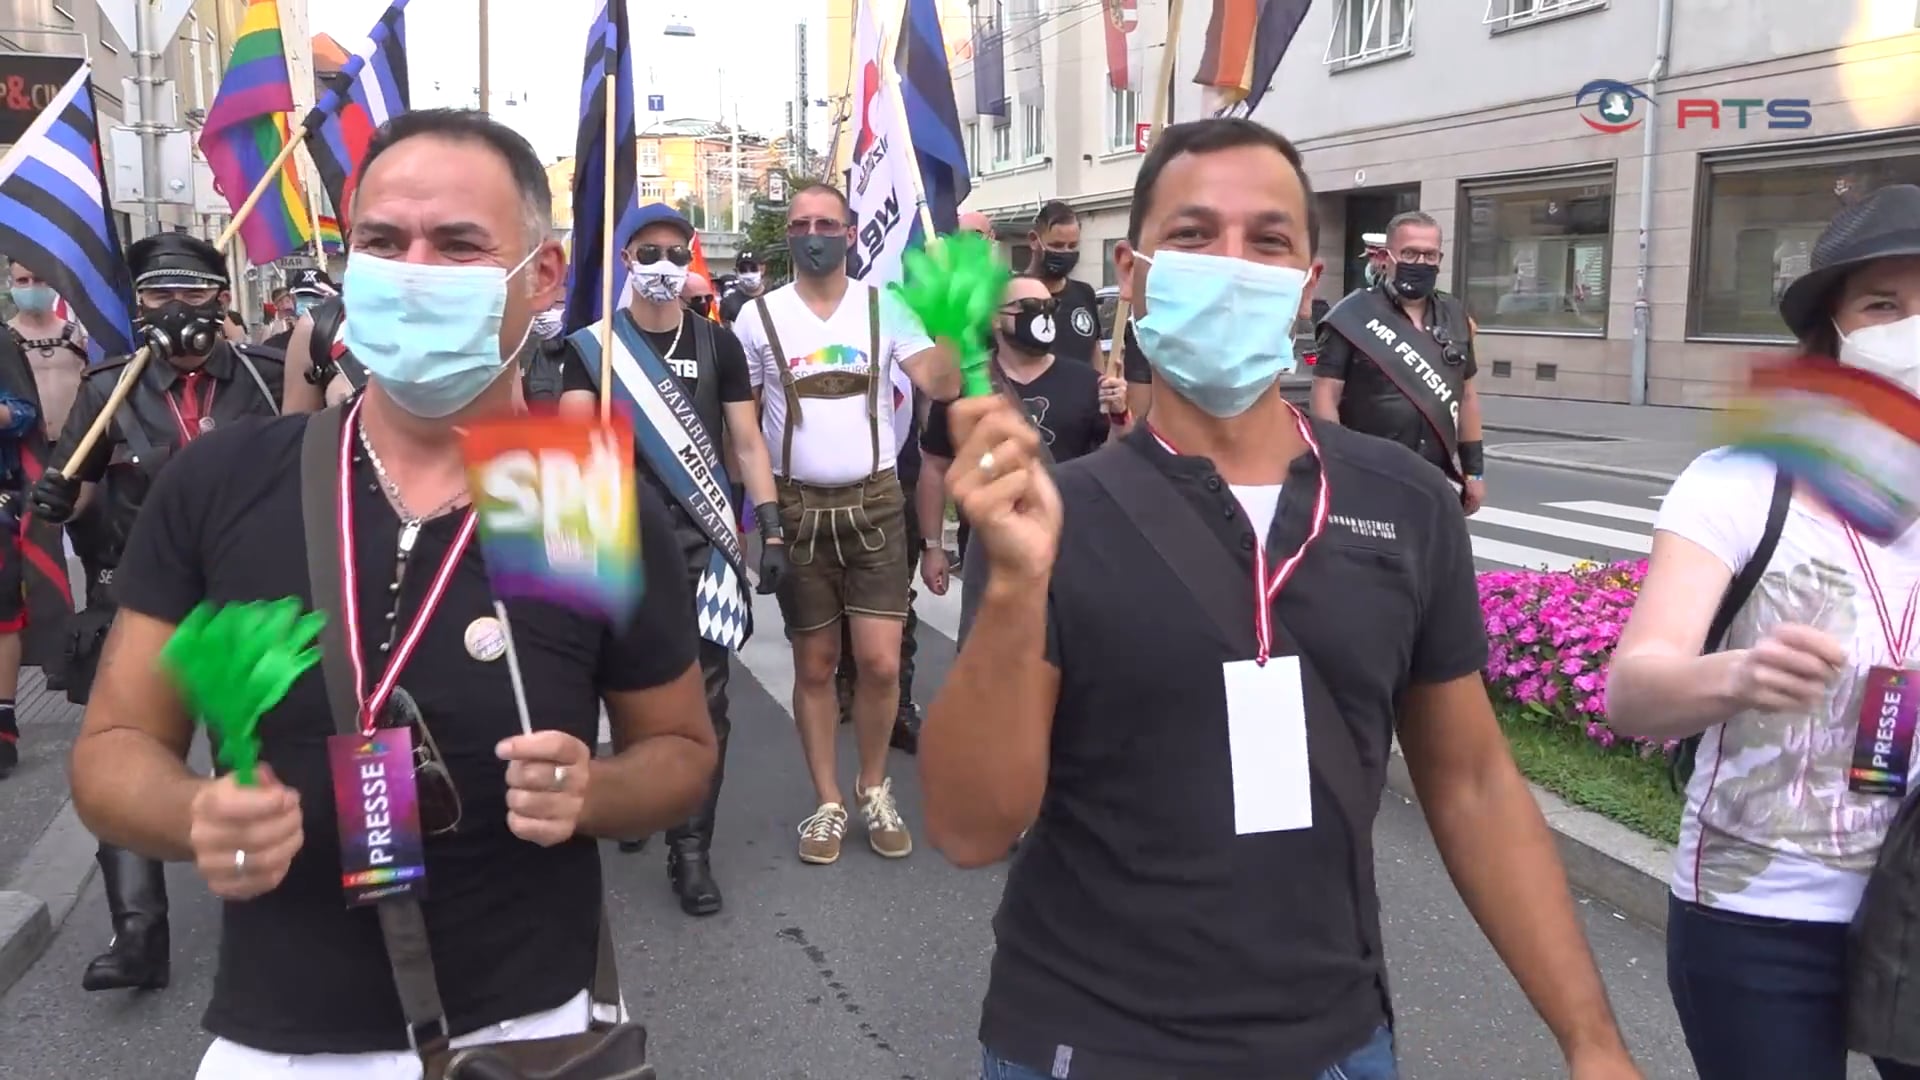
<point>1761,998</point>
<point>1373,1061</point>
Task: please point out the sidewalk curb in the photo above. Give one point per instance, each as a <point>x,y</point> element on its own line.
<point>1603,858</point>
<point>43,892</point>
<point>1497,454</point>
<point>1552,433</point>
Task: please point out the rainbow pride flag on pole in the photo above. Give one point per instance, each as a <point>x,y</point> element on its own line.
<point>245,131</point>
<point>331,241</point>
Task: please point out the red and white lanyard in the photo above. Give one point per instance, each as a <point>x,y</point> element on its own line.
<point>192,431</point>
<point>375,699</point>
<point>1897,640</point>
<point>1266,587</point>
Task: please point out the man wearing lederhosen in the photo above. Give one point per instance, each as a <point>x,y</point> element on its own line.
<point>194,380</point>
<point>1396,361</point>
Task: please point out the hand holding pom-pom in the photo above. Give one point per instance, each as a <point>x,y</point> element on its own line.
<point>953,286</point>
<point>234,662</point>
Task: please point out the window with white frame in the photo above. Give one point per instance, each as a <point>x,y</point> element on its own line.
<point>649,155</point>
<point>651,191</point>
<point>1508,14</point>
<point>1033,132</point>
<point>1123,112</point>
<point>970,136</point>
<point>1002,144</point>
<point>1368,30</point>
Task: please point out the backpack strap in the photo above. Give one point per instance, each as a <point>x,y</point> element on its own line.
<point>1739,591</point>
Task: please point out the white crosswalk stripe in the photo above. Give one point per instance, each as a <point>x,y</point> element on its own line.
<point>1570,540</point>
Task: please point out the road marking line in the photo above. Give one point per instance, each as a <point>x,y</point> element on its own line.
<point>1565,530</point>
<point>1520,555</point>
<point>1607,509</point>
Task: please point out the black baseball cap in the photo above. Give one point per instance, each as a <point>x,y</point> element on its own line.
<point>746,262</point>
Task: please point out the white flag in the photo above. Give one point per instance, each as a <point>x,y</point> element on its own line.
<point>881,184</point>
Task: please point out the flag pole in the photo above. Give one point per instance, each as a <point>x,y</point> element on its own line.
<point>1162,100</point>
<point>608,249</point>
<point>131,373</point>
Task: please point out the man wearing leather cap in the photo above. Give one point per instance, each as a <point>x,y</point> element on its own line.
<point>194,380</point>
<point>307,288</point>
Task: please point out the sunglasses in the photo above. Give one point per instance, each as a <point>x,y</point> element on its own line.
<point>816,226</point>
<point>1030,305</point>
<point>438,799</point>
<point>700,305</point>
<point>677,254</point>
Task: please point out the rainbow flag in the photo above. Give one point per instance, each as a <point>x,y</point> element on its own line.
<point>246,129</point>
<point>558,518</point>
<point>1849,435</point>
<point>331,241</point>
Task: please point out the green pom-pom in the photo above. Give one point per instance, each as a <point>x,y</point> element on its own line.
<point>953,286</point>
<point>234,662</point>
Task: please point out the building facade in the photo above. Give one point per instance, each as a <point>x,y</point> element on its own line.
<point>1765,118</point>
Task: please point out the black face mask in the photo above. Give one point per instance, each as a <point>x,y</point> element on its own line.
<point>1058,264</point>
<point>189,330</point>
<point>1415,281</point>
<point>700,305</point>
<point>818,256</point>
<point>1033,333</point>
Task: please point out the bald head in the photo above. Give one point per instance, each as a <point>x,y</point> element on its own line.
<point>697,285</point>
<point>974,221</point>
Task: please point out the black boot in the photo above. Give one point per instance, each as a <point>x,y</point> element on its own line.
<point>689,867</point>
<point>906,723</point>
<point>137,900</point>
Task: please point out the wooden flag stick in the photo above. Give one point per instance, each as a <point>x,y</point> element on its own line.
<point>131,373</point>
<point>609,250</point>
<point>1162,99</point>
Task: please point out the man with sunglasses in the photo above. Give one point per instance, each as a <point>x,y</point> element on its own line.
<point>195,380</point>
<point>698,295</point>
<point>822,354</point>
<point>688,382</point>
<point>1396,360</point>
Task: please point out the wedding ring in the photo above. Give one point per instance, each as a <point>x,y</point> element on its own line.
<point>559,778</point>
<point>986,463</point>
<point>239,862</point>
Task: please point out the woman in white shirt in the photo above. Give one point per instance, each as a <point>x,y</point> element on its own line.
<point>1776,846</point>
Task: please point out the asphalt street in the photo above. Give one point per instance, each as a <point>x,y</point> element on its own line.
<point>1540,516</point>
<point>867,970</point>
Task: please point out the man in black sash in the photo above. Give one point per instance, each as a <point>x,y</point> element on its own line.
<point>1396,360</point>
<point>687,381</point>
<point>194,380</point>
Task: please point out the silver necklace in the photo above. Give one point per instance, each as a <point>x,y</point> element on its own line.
<point>410,523</point>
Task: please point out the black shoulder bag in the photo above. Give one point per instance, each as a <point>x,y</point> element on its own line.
<point>608,1049</point>
<point>1739,591</point>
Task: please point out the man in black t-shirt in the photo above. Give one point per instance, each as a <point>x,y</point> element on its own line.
<point>506,821</point>
<point>711,369</point>
<point>1188,679</point>
<point>1055,240</point>
<point>748,282</point>
<point>1073,409</point>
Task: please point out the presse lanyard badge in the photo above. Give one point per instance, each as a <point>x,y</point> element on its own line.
<point>382,850</point>
<point>1890,703</point>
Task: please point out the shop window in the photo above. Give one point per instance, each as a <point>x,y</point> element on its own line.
<point>1758,219</point>
<point>1535,253</point>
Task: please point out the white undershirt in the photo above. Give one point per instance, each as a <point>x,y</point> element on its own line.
<point>1260,501</point>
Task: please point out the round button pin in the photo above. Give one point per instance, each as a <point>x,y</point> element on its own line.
<point>486,641</point>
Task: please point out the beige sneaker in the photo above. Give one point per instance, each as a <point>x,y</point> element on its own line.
<point>820,834</point>
<point>886,829</point>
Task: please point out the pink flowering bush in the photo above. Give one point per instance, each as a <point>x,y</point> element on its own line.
<point>1550,636</point>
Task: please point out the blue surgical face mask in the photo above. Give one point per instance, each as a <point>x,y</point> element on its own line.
<point>429,334</point>
<point>1218,330</point>
<point>302,305</point>
<point>33,299</point>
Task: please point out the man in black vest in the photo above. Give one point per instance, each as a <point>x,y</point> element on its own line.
<point>706,391</point>
<point>194,380</point>
<point>1396,360</point>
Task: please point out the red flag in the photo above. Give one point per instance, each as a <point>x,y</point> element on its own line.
<point>1123,18</point>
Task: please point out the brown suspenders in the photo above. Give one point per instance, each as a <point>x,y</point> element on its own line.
<point>876,374</point>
